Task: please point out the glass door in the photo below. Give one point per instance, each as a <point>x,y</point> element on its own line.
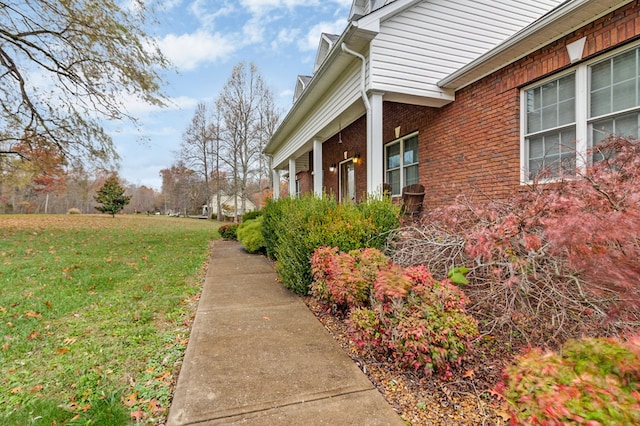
<point>347,181</point>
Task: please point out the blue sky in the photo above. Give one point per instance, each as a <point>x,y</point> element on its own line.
<point>205,39</point>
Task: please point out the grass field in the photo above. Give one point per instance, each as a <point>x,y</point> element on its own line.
<point>95,314</point>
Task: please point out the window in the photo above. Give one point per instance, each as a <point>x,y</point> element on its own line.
<point>401,163</point>
<point>565,116</point>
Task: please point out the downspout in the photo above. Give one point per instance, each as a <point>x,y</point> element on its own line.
<point>363,72</point>
<point>367,105</point>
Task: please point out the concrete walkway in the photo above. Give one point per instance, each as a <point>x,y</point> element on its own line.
<point>258,356</point>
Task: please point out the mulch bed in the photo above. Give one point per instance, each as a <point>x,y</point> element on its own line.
<point>465,399</point>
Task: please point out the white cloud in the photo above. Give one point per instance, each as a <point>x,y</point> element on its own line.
<point>206,12</point>
<point>188,51</point>
<point>311,40</point>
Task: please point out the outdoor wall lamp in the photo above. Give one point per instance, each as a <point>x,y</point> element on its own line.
<point>356,159</point>
<point>332,167</point>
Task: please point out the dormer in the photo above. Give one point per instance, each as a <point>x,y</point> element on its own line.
<point>326,43</point>
<point>301,84</point>
<point>360,8</point>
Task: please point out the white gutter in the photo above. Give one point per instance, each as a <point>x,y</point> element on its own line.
<point>363,72</point>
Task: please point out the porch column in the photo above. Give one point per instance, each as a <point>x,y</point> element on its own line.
<point>292,178</point>
<point>275,174</point>
<point>375,149</point>
<point>318,173</point>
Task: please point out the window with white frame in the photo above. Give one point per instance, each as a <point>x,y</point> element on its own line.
<point>565,116</point>
<point>401,163</point>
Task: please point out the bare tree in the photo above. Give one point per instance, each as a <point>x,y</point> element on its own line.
<point>198,147</point>
<point>67,65</point>
<point>248,111</point>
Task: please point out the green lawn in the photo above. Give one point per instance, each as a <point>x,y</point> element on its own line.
<point>95,314</point>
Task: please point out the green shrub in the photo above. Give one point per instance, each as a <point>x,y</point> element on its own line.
<point>294,228</point>
<point>254,214</point>
<point>229,231</point>
<point>593,381</point>
<point>250,235</point>
<point>419,322</point>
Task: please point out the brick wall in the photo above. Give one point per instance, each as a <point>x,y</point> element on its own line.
<point>471,147</point>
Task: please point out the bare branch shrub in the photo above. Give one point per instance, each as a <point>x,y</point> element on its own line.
<point>556,261</point>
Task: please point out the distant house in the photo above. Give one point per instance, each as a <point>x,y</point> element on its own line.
<point>228,203</point>
<point>460,96</point>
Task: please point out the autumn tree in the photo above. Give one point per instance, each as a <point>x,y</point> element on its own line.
<point>182,187</point>
<point>250,117</point>
<point>65,66</point>
<point>111,196</point>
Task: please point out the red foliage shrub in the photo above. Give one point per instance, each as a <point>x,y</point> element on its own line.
<point>343,281</point>
<point>420,322</point>
<point>591,381</point>
<point>558,260</point>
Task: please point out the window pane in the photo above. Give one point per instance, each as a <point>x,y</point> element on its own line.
<point>393,178</point>
<point>600,130</point>
<point>624,95</point>
<point>411,150</point>
<point>601,102</point>
<point>551,105</point>
<point>550,94</point>
<point>411,175</point>
<point>627,125</point>
<point>393,156</point>
<point>600,75</point>
<point>568,138</point>
<point>536,148</point>
<point>552,153</point>
<point>533,110</point>
<point>567,112</point>
<point>552,145</point>
<point>550,117</point>
<point>624,66</point>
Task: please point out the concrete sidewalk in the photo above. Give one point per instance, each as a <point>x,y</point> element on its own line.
<point>258,356</point>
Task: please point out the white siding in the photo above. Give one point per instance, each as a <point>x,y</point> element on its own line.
<point>342,94</point>
<point>425,43</point>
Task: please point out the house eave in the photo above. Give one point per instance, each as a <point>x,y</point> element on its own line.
<point>558,23</point>
<point>334,65</point>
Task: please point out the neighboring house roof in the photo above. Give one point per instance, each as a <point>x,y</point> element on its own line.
<point>559,22</point>
<point>409,46</point>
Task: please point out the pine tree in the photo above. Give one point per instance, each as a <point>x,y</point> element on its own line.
<point>111,196</point>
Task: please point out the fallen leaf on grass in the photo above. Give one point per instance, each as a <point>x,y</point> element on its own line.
<point>131,399</point>
<point>37,388</point>
<point>62,351</point>
<point>15,390</point>
<point>33,335</point>
<point>137,415</point>
<point>70,340</point>
<point>469,374</point>
<point>32,314</point>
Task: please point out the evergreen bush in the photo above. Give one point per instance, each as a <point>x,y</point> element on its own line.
<point>294,228</point>
<point>250,235</point>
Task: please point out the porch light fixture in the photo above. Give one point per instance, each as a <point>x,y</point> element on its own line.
<point>356,159</point>
<point>332,167</point>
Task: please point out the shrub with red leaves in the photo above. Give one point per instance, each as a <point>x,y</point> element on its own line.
<point>591,382</point>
